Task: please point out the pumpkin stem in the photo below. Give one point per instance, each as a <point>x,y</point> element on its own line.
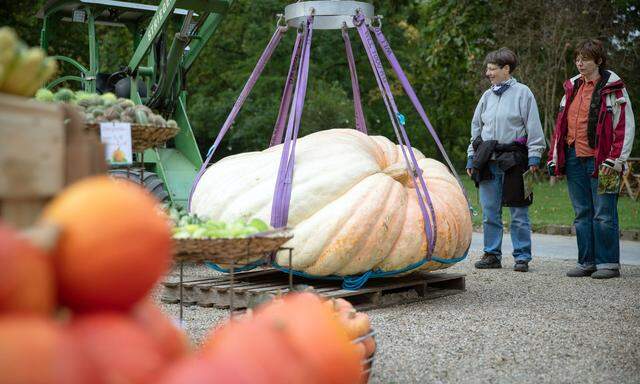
<point>44,235</point>
<point>398,172</point>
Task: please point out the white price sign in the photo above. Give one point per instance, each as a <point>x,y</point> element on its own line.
<point>116,138</point>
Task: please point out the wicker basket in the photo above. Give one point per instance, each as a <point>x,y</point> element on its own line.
<point>145,136</point>
<point>229,250</point>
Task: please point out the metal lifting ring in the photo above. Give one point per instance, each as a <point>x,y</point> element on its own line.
<point>328,14</point>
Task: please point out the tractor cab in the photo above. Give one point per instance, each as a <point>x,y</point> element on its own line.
<point>154,75</point>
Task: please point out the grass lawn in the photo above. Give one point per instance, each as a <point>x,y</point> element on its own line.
<point>551,205</point>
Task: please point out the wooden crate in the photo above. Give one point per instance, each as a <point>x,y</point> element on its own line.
<point>43,148</point>
<point>250,288</point>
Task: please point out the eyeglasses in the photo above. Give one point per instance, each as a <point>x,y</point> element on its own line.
<point>583,60</point>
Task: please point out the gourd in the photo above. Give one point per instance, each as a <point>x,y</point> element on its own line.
<point>22,69</point>
<point>298,333</point>
<point>27,284</point>
<point>353,205</point>
<point>37,349</point>
<point>97,265</point>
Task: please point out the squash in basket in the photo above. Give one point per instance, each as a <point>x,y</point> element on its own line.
<point>353,205</point>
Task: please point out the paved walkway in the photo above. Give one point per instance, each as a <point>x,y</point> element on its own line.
<point>560,247</point>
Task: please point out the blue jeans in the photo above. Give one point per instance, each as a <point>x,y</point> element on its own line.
<point>596,218</point>
<point>491,202</point>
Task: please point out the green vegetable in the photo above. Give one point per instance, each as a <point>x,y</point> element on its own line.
<point>125,103</point>
<point>64,95</point>
<point>82,95</point>
<point>188,226</point>
<point>259,225</point>
<point>141,117</point>
<point>108,98</point>
<point>44,95</point>
<point>112,113</point>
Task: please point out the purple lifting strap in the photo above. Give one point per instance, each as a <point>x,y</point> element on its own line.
<point>262,62</point>
<point>412,165</point>
<point>287,93</point>
<point>386,48</point>
<point>357,103</point>
<point>282,194</point>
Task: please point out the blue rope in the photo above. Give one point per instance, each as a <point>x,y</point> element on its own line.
<point>351,282</point>
<point>247,267</point>
<point>354,282</point>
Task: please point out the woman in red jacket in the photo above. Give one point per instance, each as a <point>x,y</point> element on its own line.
<point>593,136</point>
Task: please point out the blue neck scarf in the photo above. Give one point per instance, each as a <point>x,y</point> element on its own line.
<point>499,89</point>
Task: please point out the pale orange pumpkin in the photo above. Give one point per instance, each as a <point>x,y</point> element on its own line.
<point>353,205</point>
<point>356,324</point>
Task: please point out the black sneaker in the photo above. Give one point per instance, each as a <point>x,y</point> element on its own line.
<point>521,266</point>
<point>488,261</point>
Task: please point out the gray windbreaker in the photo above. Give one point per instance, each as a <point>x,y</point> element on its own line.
<point>510,116</point>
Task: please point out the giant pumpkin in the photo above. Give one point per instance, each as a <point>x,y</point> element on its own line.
<point>353,205</point>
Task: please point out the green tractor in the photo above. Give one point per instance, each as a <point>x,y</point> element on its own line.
<point>155,75</point>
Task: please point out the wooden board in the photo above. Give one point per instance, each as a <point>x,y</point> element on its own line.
<point>43,148</point>
<point>32,139</point>
<point>251,288</point>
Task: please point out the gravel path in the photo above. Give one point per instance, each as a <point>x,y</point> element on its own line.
<point>508,327</point>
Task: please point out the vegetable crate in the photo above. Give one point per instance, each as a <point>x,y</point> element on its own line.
<point>247,289</point>
<point>43,148</point>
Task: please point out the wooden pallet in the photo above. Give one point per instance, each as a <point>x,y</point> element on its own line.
<point>251,288</point>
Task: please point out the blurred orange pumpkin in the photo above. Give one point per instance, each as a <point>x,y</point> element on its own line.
<point>121,349</point>
<point>26,275</point>
<point>37,351</point>
<point>173,342</point>
<point>114,245</point>
<point>262,346</point>
<point>299,333</point>
<point>221,369</point>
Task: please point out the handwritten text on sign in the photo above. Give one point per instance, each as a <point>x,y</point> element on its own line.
<point>116,138</point>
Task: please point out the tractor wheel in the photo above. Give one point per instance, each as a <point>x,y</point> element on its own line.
<point>151,181</point>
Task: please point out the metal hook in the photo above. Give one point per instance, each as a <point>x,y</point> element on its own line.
<point>377,18</point>
<point>355,17</point>
<point>280,22</point>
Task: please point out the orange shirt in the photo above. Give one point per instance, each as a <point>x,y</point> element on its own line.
<point>578,119</point>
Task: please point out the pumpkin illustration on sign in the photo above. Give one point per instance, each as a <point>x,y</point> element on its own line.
<point>118,156</point>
